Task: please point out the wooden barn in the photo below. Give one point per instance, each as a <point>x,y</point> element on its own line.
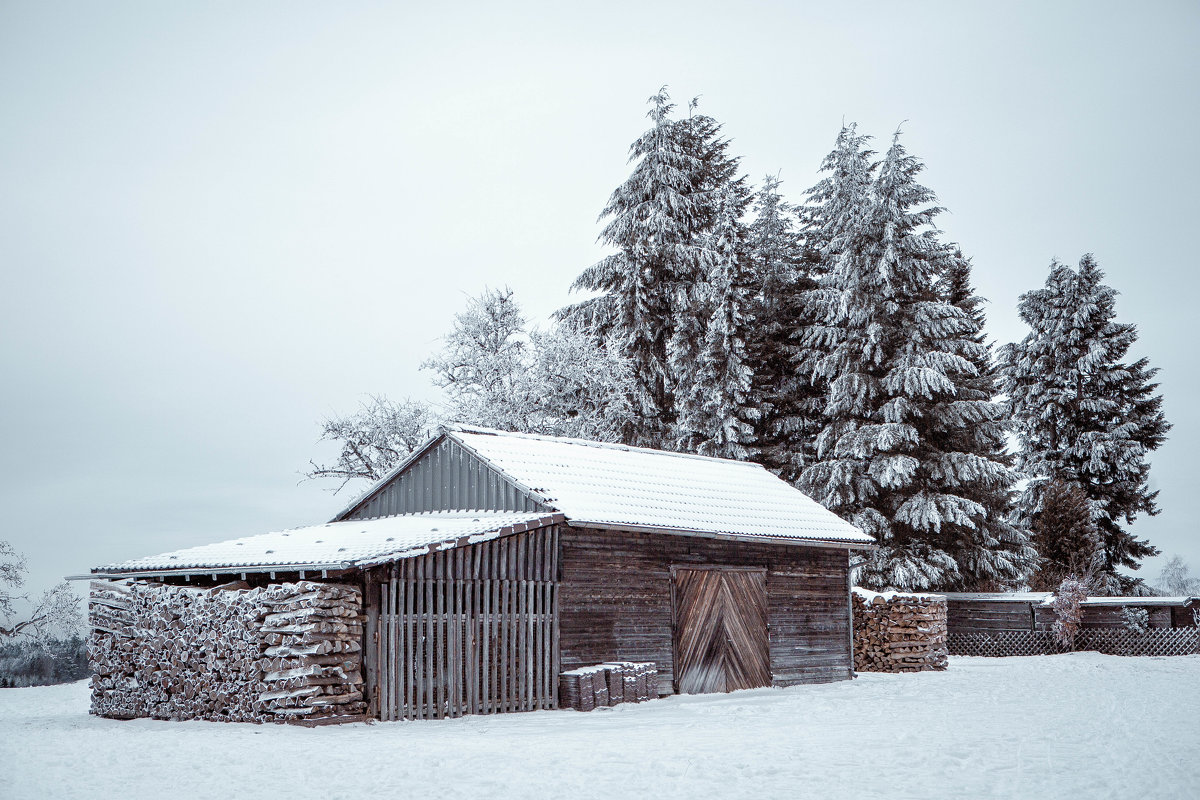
<point>490,563</point>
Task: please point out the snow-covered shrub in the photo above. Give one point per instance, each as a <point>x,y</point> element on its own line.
<point>1068,609</point>
<point>1135,620</point>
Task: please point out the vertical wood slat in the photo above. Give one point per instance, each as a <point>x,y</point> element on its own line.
<point>439,594</point>
<point>502,662</point>
<point>555,642</point>
<point>419,649</point>
<point>409,639</point>
<point>519,622</point>
<point>383,656</point>
<point>485,665</point>
<point>393,649</point>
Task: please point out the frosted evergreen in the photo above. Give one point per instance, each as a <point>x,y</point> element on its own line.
<point>786,401</point>
<point>1083,414</point>
<point>897,358</point>
<point>996,553</point>
<point>654,221</point>
<point>716,409</point>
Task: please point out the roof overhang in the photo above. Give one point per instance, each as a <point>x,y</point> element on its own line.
<point>325,568</point>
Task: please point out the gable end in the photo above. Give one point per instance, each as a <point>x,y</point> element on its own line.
<point>444,477</point>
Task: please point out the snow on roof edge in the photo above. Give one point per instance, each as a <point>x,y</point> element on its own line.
<point>477,429</point>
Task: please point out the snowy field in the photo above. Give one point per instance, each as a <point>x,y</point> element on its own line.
<point>1079,725</point>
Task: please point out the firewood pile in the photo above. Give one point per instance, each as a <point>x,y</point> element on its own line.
<point>611,684</point>
<point>896,632</point>
<point>285,652</point>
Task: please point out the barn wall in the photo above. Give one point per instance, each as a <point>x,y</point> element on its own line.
<point>983,616</point>
<point>615,601</point>
<point>446,478</point>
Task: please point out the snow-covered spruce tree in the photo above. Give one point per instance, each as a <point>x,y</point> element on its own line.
<point>833,207</point>
<point>721,198</point>
<point>1066,538</point>
<point>716,409</point>
<point>996,553</point>
<point>1083,414</point>
<point>894,356</point>
<point>791,397</point>
<point>654,222</point>
<point>784,396</point>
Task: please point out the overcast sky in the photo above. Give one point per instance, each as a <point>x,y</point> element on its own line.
<point>221,222</point>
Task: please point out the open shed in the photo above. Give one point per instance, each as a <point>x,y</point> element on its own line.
<point>489,563</point>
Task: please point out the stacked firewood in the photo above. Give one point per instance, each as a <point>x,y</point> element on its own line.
<point>611,684</point>
<point>896,632</point>
<point>312,641</point>
<point>231,653</point>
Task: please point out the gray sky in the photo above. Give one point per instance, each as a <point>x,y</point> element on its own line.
<point>221,222</point>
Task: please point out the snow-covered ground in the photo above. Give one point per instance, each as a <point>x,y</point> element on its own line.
<point>1079,725</point>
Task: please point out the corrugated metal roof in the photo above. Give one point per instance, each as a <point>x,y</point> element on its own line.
<point>354,543</point>
<point>614,485</point>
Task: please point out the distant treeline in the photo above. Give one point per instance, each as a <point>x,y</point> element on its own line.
<point>33,663</point>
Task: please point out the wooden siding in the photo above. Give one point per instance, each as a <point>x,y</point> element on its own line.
<point>445,478</point>
<point>615,601</point>
<point>981,616</point>
<point>470,630</point>
<point>1103,616</point>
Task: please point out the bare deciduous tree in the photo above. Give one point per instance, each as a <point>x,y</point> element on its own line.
<point>374,439</point>
<point>57,611</point>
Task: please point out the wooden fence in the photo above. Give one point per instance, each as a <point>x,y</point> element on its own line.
<point>471,630</point>
<point>1154,642</point>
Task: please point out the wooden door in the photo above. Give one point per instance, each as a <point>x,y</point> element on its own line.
<point>721,639</point>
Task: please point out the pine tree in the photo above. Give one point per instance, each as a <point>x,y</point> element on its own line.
<point>717,411</point>
<point>775,251</point>
<point>996,553</point>
<point>721,198</point>
<point>894,356</point>
<point>834,205</point>
<point>1066,538</point>
<point>655,220</point>
<point>654,290</point>
<point>1083,414</point>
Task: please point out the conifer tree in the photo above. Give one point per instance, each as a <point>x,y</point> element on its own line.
<point>717,410</point>
<point>1082,413</point>
<point>894,355</point>
<point>654,219</point>
<point>1066,538</point>
<point>996,553</point>
<point>654,296</point>
<point>775,251</point>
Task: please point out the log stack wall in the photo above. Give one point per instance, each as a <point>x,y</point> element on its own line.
<point>896,632</point>
<point>278,653</point>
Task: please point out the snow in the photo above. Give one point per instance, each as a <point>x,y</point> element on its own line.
<point>344,544</point>
<point>1066,726</point>
<point>611,484</point>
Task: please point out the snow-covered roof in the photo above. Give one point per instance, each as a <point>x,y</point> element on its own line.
<point>1133,601</point>
<point>341,545</point>
<point>613,485</point>
<point>1000,597</point>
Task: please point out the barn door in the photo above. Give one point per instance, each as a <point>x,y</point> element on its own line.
<point>720,630</point>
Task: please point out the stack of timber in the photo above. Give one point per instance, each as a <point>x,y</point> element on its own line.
<point>896,632</point>
<point>285,652</point>
<point>610,684</point>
